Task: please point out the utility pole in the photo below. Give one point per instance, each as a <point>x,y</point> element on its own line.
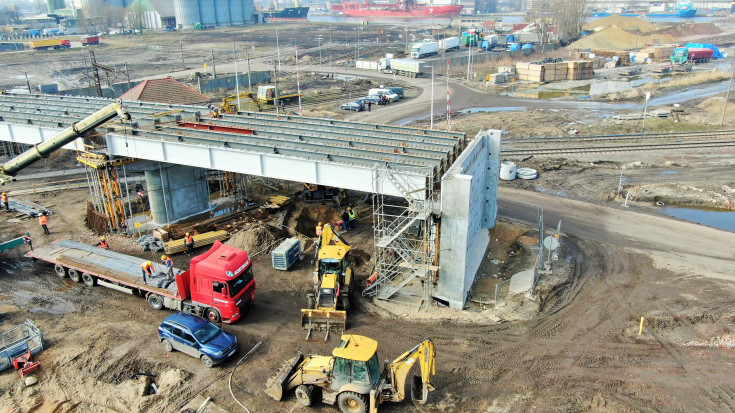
<point>275,96</point>
<point>127,74</point>
<point>181,46</point>
<point>727,97</point>
<point>247,53</point>
<point>28,82</point>
<point>214,67</point>
<point>278,50</point>
<point>237,80</point>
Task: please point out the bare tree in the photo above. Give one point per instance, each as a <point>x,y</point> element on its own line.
<point>569,16</point>
<point>135,16</point>
<point>540,18</point>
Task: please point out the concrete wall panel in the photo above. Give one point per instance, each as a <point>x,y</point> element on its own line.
<point>469,205</point>
<point>176,192</point>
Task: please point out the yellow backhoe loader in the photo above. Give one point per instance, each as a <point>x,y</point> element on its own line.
<point>229,103</point>
<point>351,377</point>
<point>330,301</point>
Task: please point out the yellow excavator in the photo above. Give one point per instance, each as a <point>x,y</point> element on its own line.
<point>330,301</point>
<point>351,377</point>
<point>229,103</point>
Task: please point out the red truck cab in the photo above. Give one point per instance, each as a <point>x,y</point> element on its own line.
<point>87,40</point>
<point>220,280</point>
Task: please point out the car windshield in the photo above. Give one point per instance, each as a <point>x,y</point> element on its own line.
<point>206,333</point>
<point>238,284</point>
<point>330,265</point>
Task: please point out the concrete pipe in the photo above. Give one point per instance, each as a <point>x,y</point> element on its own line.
<point>527,173</point>
<point>508,171</point>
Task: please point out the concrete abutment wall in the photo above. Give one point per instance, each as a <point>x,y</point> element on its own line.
<point>176,192</point>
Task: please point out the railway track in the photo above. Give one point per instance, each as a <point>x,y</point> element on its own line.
<point>618,148</point>
<point>537,141</point>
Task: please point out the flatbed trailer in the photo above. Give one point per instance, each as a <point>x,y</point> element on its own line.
<point>96,266</point>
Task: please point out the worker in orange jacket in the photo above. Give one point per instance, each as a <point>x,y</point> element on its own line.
<point>103,243</point>
<point>169,264</point>
<point>189,243</point>
<point>148,269</point>
<point>43,220</point>
<point>5,202</point>
<point>319,230</point>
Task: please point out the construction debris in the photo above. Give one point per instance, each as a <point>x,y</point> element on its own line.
<point>31,209</point>
<point>150,243</point>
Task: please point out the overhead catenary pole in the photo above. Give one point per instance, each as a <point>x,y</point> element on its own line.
<point>214,67</point>
<point>28,82</point>
<point>727,97</point>
<point>278,50</point>
<point>237,81</point>
<point>449,112</point>
<point>298,84</point>
<point>247,54</point>
<point>127,75</point>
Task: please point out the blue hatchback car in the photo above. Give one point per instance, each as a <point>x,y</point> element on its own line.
<point>196,337</point>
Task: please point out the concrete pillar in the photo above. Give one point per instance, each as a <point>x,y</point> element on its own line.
<point>176,192</point>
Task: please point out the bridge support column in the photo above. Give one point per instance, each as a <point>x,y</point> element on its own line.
<point>176,192</point>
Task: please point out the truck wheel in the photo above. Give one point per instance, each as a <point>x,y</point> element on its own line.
<point>89,280</point>
<point>304,395</point>
<point>167,345</point>
<point>346,302</point>
<point>213,315</point>
<point>207,361</point>
<point>310,301</point>
<point>155,301</point>
<point>351,402</point>
<point>74,275</point>
<point>60,270</point>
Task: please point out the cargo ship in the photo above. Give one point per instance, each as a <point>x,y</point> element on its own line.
<point>401,8</point>
<point>683,9</point>
<point>286,15</point>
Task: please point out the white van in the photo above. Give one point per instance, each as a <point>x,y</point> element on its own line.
<point>389,93</point>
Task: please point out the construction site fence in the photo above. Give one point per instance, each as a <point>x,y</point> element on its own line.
<point>97,221</point>
<point>228,82</point>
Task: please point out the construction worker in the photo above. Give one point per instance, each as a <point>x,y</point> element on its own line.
<point>345,219</point>
<point>5,202</point>
<point>189,243</point>
<point>103,243</point>
<point>352,218</point>
<point>319,230</point>
<point>148,269</point>
<point>43,220</point>
<point>169,264</point>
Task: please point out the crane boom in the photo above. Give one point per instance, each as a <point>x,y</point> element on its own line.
<point>77,129</point>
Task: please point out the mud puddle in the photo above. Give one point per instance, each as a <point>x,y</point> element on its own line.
<point>724,220</point>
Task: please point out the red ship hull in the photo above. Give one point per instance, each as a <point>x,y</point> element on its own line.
<point>354,9</point>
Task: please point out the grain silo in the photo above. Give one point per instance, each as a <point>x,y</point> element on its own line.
<point>207,14</point>
<point>236,12</point>
<point>187,13</point>
<point>222,12</point>
<point>248,11</point>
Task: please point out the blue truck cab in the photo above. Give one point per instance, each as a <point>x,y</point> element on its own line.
<point>196,337</point>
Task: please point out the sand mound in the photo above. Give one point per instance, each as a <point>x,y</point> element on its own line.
<point>625,23</point>
<point>258,239</point>
<point>708,103</point>
<point>615,38</point>
<point>684,30</point>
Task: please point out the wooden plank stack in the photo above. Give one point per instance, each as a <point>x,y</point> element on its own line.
<point>530,72</point>
<point>579,70</point>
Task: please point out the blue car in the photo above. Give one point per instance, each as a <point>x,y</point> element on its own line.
<point>375,99</point>
<point>355,105</point>
<point>196,337</point>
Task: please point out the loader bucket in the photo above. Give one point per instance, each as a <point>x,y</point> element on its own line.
<point>274,385</point>
<point>324,320</point>
<point>419,391</point>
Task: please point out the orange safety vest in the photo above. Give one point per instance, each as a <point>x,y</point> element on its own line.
<point>318,230</point>
<point>189,239</point>
<point>42,220</point>
<point>103,244</point>
<point>147,268</point>
<point>5,198</point>
<point>168,262</point>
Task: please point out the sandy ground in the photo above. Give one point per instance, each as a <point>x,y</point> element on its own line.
<point>575,347</point>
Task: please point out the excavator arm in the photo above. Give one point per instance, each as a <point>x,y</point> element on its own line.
<point>77,129</point>
<point>392,385</point>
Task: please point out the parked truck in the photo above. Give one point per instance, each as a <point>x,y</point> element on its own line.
<point>424,49</point>
<point>87,40</point>
<point>450,43</point>
<point>469,39</point>
<point>404,67</point>
<point>218,285</point>
<point>683,55</point>
<point>49,44</point>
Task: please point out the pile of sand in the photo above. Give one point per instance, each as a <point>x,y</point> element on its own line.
<point>625,23</point>
<point>258,239</point>
<point>685,30</point>
<point>615,38</point>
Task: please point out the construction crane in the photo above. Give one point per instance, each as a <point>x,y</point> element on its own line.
<point>42,150</point>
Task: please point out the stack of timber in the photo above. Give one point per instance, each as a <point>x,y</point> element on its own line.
<point>579,70</point>
<point>172,247</point>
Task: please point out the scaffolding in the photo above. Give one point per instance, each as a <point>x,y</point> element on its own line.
<point>405,234</point>
<point>107,197</point>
